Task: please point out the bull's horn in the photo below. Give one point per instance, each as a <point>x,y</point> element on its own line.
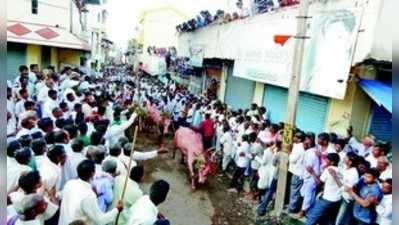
<point>210,149</point>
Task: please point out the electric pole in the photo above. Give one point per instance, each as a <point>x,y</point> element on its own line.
<point>293,97</point>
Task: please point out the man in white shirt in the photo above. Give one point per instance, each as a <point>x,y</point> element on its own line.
<point>324,148</point>
<point>114,154</point>
<point>52,168</point>
<point>296,168</point>
<point>311,162</point>
<point>253,111</point>
<point>132,194</point>
<point>27,127</point>
<point>80,201</point>
<point>30,183</point>
<point>242,160</point>
<point>350,177</point>
<point>256,150</point>
<point>226,140</point>
<point>115,132</point>
<point>34,71</point>
<point>327,205</point>
<point>243,10</point>
<point>32,211</point>
<point>50,172</point>
<point>50,103</point>
<point>19,106</point>
<point>362,149</point>
<point>378,150</point>
<point>384,167</point>
<point>268,196</point>
<point>232,121</point>
<point>384,208</point>
<point>71,100</point>
<point>145,211</point>
<point>17,168</point>
<point>76,156</point>
<point>139,156</point>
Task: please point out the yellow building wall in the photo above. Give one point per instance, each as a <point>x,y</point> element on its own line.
<point>54,57</point>
<point>258,93</point>
<point>340,112</point>
<point>160,22</point>
<point>354,109</point>
<point>361,113</point>
<point>34,55</point>
<point>69,56</point>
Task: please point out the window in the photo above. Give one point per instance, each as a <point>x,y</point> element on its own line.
<point>34,6</point>
<point>104,16</point>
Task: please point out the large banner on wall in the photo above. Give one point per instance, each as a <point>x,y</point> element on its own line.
<point>327,58</point>
<point>196,56</point>
<point>154,64</point>
<point>262,48</point>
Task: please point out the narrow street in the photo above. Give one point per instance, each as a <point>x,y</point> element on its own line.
<point>282,110</point>
<point>209,205</point>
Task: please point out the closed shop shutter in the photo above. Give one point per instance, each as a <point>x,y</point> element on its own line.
<point>46,56</point>
<point>275,101</point>
<point>16,56</point>
<point>195,86</point>
<point>239,92</point>
<point>312,109</point>
<point>381,124</point>
<point>312,112</point>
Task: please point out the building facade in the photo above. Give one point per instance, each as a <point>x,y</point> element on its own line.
<point>153,24</point>
<point>96,24</point>
<point>160,22</point>
<point>46,32</point>
<point>258,61</point>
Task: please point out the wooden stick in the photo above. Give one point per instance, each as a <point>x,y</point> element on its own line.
<point>128,172</point>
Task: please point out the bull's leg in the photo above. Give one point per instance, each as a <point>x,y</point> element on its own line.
<point>160,139</point>
<point>182,159</point>
<point>193,183</point>
<point>192,174</point>
<point>174,146</point>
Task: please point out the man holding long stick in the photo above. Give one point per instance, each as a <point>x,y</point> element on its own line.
<point>129,168</point>
<point>80,201</point>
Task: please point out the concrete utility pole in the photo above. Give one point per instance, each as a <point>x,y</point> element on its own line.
<point>293,96</point>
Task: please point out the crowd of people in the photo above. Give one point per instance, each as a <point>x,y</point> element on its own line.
<point>333,179</point>
<point>68,152</point>
<point>69,148</point>
<point>244,9</point>
<point>170,55</point>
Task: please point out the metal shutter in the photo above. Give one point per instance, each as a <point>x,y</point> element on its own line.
<point>239,92</point>
<point>312,109</point>
<point>312,112</point>
<point>381,124</point>
<point>16,56</point>
<point>46,57</point>
<point>275,101</point>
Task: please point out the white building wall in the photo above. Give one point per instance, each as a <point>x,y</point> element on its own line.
<point>96,20</point>
<point>161,24</point>
<point>50,12</point>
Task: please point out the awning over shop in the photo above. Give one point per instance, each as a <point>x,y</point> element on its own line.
<point>39,34</point>
<point>380,92</point>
